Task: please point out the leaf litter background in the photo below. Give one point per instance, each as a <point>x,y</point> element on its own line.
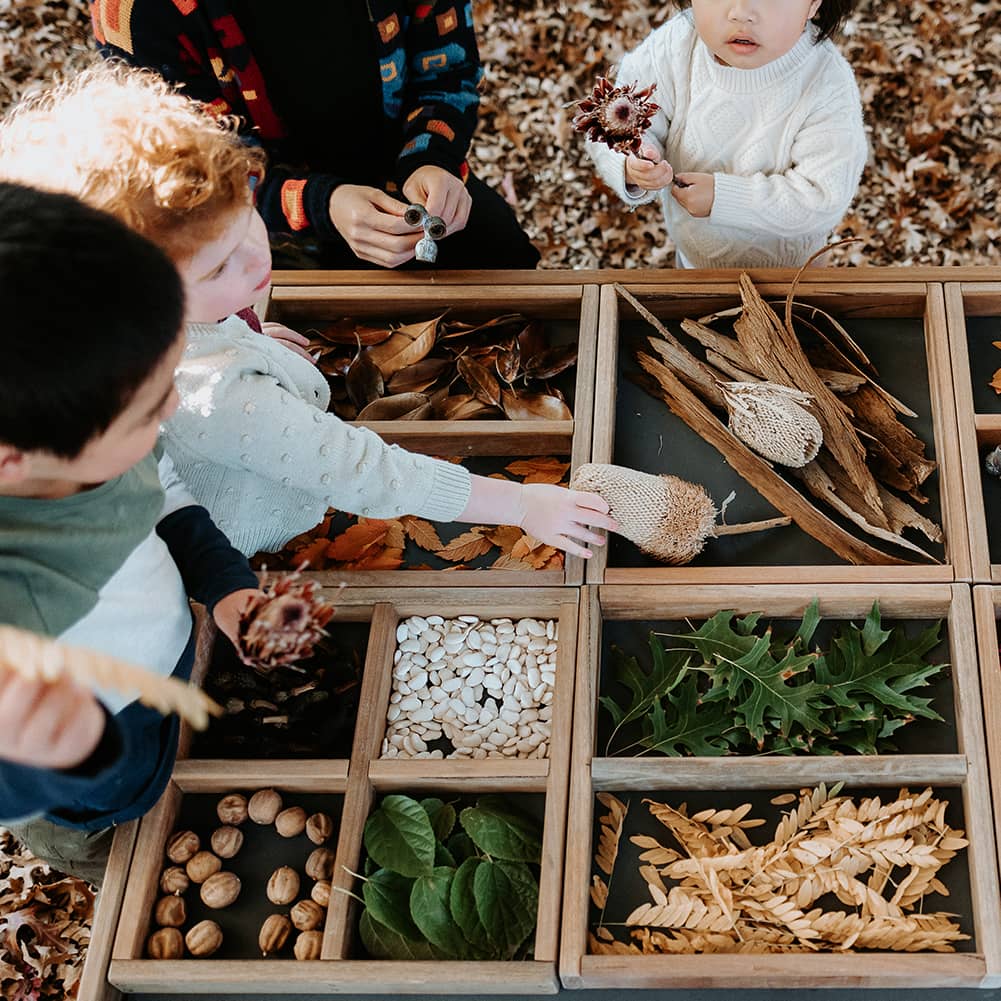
<point>930,77</point>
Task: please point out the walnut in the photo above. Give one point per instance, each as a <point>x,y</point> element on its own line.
<point>283,885</point>
<point>227,841</point>
<point>320,864</point>
<point>182,846</point>
<point>321,892</point>
<point>170,912</point>
<point>274,934</point>
<point>232,809</point>
<point>167,943</point>
<point>319,827</point>
<point>174,880</point>
<point>291,823</point>
<point>264,806</point>
<point>305,914</point>
<point>220,890</point>
<point>203,865</point>
<point>308,945</point>
<point>204,939</point>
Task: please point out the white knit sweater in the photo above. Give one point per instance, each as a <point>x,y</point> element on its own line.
<point>254,444</point>
<point>785,143</point>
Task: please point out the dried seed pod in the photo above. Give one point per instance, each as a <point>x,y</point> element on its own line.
<point>264,806</point>
<point>291,823</point>
<point>167,943</point>
<point>770,419</point>
<point>174,880</point>
<point>232,809</point>
<point>319,827</point>
<point>227,841</point>
<point>182,846</point>
<point>306,915</point>
<point>426,250</point>
<point>414,215</point>
<point>204,938</point>
<point>283,885</point>
<point>992,462</point>
<point>321,892</point>
<point>170,912</point>
<point>616,116</point>
<point>220,890</point>
<point>308,945</point>
<point>320,864</point>
<point>203,865</point>
<point>274,934</point>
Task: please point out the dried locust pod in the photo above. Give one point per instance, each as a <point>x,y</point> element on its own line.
<point>616,116</point>
<point>282,624</point>
<point>667,517</point>
<point>770,419</point>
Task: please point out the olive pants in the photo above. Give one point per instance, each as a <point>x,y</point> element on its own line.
<point>83,854</point>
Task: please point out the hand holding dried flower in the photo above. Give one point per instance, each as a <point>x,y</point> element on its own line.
<point>648,170</point>
<point>616,116</point>
<point>695,193</point>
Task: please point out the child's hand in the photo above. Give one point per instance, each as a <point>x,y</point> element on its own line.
<point>227,611</point>
<point>47,724</point>
<point>697,195</point>
<point>557,516</point>
<point>372,224</point>
<point>292,339</point>
<point>649,171</point>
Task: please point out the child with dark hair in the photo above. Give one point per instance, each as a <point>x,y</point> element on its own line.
<point>100,543</point>
<point>759,144</point>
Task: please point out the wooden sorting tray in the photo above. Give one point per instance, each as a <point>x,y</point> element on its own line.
<point>900,326</point>
<point>961,775</point>
<point>974,319</point>
<point>570,312</point>
<point>357,783</point>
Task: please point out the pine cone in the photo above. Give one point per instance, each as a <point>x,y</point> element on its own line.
<point>616,116</point>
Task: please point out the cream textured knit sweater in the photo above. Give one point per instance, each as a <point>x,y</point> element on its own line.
<point>785,143</point>
<point>254,444</point>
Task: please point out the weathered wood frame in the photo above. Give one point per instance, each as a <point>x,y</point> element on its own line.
<point>966,770</point>
<point>845,300</point>
<point>360,780</point>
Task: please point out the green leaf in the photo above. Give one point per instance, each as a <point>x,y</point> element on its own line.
<point>692,728</point>
<point>716,639</point>
<point>461,847</point>
<point>383,943</point>
<point>501,831</point>
<point>442,856</point>
<point>507,901</point>
<point>430,912</point>
<point>811,619</point>
<point>387,899</point>
<point>441,815</point>
<point>398,836</point>
<point>462,904</point>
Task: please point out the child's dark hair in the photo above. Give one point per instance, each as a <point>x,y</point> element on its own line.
<point>89,310</point>
<point>829,19</point>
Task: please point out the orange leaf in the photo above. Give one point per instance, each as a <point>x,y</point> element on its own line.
<point>352,542</point>
<point>395,538</point>
<point>467,546</point>
<point>546,469</point>
<point>533,406</point>
<point>996,381</point>
<point>504,536</point>
<point>409,344</point>
<point>507,562</point>
<point>523,548</point>
<point>422,532</point>
<point>377,559</point>
<point>315,554</point>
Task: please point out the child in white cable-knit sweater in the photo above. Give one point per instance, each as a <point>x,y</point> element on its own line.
<point>759,144</point>
<point>251,438</point>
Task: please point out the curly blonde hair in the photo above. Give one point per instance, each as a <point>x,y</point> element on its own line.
<point>125,141</point>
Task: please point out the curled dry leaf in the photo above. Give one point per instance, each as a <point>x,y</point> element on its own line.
<point>401,407</point>
<point>534,406</point>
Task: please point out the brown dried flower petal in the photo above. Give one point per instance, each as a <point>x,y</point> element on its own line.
<point>616,116</point>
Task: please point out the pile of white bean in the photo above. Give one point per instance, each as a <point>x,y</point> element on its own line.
<point>487,687</point>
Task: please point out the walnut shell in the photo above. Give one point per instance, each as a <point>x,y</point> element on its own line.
<point>308,945</point>
<point>167,943</point>
<point>182,846</point>
<point>170,912</point>
<point>174,880</point>
<point>321,892</point>
<point>232,809</point>
<point>320,864</point>
<point>283,885</point>
<point>203,865</point>
<point>319,827</point>
<point>204,939</point>
<point>220,890</point>
<point>291,823</point>
<point>264,806</point>
<point>227,841</point>
<point>306,915</point>
<point>274,934</point>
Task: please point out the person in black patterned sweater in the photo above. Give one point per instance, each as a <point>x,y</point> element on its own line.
<point>363,107</point>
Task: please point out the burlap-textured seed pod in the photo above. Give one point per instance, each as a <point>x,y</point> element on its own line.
<point>770,419</point>
<point>665,516</point>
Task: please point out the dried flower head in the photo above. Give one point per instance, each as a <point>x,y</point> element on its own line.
<point>282,624</point>
<point>773,420</point>
<point>992,463</point>
<point>616,116</point>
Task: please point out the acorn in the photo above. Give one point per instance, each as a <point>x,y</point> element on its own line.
<point>167,943</point>
<point>220,890</point>
<point>182,846</point>
<point>308,945</point>
<point>321,892</point>
<point>170,912</point>
<point>264,806</point>
<point>274,934</point>
<point>174,880</point>
<point>227,841</point>
<point>204,938</point>
<point>305,914</point>
<point>232,809</point>
<point>320,864</point>
<point>319,827</point>
<point>203,865</point>
<point>291,823</point>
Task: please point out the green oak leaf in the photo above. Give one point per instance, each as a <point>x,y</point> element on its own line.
<point>690,728</point>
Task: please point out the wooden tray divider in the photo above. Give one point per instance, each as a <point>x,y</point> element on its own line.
<point>311,775</point>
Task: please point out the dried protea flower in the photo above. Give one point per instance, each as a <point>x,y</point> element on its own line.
<point>993,462</point>
<point>773,421</point>
<point>616,116</point>
<point>282,624</point>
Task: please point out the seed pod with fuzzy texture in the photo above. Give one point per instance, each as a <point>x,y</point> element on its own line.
<point>306,915</point>
<point>220,890</point>
<point>291,823</point>
<point>274,934</point>
<point>174,880</point>
<point>264,806</point>
<point>203,865</point>
<point>232,809</point>
<point>771,419</point>
<point>204,938</point>
<point>182,846</point>
<point>167,943</point>
<point>170,912</point>
<point>320,864</point>
<point>321,892</point>
<point>227,841</point>
<point>308,945</point>
<point>319,827</point>
<point>283,885</point>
